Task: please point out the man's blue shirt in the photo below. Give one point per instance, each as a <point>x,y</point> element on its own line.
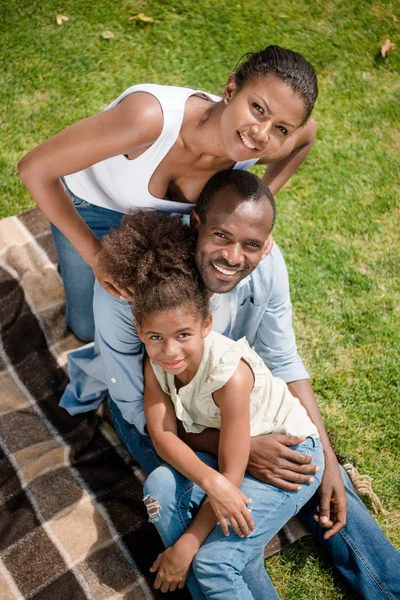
<point>261,311</point>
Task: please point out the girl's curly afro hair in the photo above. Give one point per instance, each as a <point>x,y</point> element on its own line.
<point>152,254</point>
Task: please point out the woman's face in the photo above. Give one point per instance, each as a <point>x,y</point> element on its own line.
<point>259,118</point>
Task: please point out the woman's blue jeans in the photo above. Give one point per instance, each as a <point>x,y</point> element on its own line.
<point>77,275</point>
<point>360,551</point>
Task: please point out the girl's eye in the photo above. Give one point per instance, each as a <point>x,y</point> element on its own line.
<point>282,129</point>
<point>258,108</point>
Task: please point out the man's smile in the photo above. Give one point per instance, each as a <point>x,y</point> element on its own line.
<point>227,271</point>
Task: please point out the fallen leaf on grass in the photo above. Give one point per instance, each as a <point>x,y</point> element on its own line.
<point>387,46</point>
<point>60,19</point>
<point>107,35</point>
<point>142,17</point>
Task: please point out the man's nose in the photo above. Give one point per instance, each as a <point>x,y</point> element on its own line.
<point>233,255</point>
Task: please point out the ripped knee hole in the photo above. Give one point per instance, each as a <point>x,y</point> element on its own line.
<point>153,507</point>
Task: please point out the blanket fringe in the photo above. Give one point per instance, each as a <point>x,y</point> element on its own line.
<point>363,487</point>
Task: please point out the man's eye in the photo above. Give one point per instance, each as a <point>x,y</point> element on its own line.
<point>155,338</point>
<point>254,245</point>
<point>220,235</point>
<point>183,335</point>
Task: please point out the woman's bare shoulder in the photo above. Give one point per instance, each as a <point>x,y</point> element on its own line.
<point>142,111</point>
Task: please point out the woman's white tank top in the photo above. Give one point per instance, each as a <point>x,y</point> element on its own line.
<point>121,184</point>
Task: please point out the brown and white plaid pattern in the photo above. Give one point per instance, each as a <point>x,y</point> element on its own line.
<point>72,521</point>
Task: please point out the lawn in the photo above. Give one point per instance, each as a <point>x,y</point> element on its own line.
<point>338,218</point>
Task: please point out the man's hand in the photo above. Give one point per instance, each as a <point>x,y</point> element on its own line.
<point>272,461</point>
<point>333,501</point>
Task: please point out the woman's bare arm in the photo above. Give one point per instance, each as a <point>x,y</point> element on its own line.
<point>279,172</point>
<point>130,127</point>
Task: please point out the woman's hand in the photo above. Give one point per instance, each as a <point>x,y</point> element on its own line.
<point>173,565</point>
<point>106,280</point>
<point>228,503</point>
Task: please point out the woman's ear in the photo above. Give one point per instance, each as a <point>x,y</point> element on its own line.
<point>230,88</point>
<point>206,326</point>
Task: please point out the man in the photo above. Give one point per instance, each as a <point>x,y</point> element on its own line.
<point>250,283</point>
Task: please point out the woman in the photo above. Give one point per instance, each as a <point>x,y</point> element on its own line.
<point>156,146</point>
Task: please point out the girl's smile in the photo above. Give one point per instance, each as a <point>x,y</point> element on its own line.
<point>174,340</point>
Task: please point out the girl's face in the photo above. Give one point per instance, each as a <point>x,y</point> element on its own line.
<point>259,118</point>
<point>174,339</point>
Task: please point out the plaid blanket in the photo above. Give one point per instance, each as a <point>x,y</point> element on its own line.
<point>72,521</point>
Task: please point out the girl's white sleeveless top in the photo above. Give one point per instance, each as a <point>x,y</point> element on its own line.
<point>273,409</point>
<point>121,184</point>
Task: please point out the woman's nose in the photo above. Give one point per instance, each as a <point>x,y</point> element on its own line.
<point>261,132</point>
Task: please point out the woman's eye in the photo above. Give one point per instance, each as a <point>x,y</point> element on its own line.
<point>258,108</point>
<point>283,129</point>
<point>155,338</point>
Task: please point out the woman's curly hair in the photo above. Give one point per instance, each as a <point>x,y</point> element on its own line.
<point>152,254</point>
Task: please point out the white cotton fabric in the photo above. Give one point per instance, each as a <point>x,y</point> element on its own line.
<point>121,184</point>
<point>273,409</point>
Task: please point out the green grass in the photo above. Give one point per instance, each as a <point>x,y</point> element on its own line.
<point>338,218</point>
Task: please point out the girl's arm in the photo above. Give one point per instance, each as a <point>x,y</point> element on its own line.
<point>278,173</point>
<point>226,500</point>
<point>129,128</point>
<point>173,564</point>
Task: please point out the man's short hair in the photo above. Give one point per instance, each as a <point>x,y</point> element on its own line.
<point>250,187</point>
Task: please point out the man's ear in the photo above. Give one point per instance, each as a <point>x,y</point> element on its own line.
<point>206,326</point>
<point>269,242</point>
<point>139,331</point>
<point>195,220</point>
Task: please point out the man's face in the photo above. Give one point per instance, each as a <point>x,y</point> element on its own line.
<point>233,239</point>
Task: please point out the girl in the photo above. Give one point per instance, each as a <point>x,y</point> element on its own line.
<point>156,146</point>
<point>203,379</point>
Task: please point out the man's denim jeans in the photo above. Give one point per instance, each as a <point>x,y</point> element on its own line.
<point>360,552</point>
<point>219,563</point>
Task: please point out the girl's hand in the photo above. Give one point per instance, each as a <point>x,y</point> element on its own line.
<point>228,503</point>
<point>106,280</point>
<point>173,566</point>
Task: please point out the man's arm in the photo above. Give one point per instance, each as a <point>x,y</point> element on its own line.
<point>276,344</point>
<point>333,500</point>
<point>121,351</point>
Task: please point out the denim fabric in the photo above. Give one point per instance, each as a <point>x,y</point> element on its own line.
<point>77,275</point>
<point>142,449</point>
<point>260,310</point>
<point>360,552</point>
<point>219,563</point>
